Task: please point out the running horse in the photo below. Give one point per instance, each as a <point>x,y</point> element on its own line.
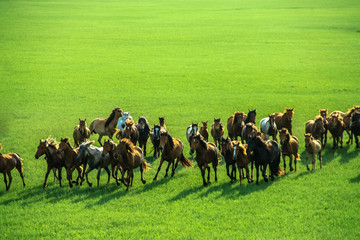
<point>144,132</point>
<point>130,131</point>
<point>81,133</point>
<point>235,124</point>
<point>155,139</point>
<point>217,131</point>
<point>284,120</point>
<point>191,131</point>
<point>106,126</point>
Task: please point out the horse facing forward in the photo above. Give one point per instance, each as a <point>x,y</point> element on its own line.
<point>81,133</point>
<point>8,162</point>
<point>172,148</point>
<point>268,127</point>
<point>284,120</point>
<point>106,126</point>
<point>235,124</point>
<point>191,131</point>
<point>130,131</point>
<point>217,131</point>
<point>204,131</point>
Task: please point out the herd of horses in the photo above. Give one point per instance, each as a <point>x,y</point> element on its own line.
<point>254,146</point>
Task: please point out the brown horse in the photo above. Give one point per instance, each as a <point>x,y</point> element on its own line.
<point>206,153</point>
<point>235,124</point>
<point>347,120</point>
<point>217,131</point>
<point>242,160</point>
<point>323,113</point>
<point>131,157</point>
<point>284,120</point>
<point>313,147</point>
<point>227,151</point>
<point>172,148</point>
<point>54,160</point>
<point>7,163</point>
<point>106,126</point>
<point>109,148</point>
<point>249,130</point>
<point>289,147</point>
<point>316,127</point>
<point>71,164</point>
<point>204,131</point>
<point>81,133</point>
<point>336,128</point>
<point>191,131</point>
<point>130,131</point>
<point>250,117</point>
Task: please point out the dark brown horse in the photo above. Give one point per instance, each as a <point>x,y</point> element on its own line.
<point>289,147</point>
<point>131,157</point>
<point>106,126</point>
<point>109,148</point>
<point>130,131</point>
<point>206,154</point>
<point>71,164</point>
<point>242,160</point>
<point>336,128</point>
<point>217,131</point>
<point>251,117</point>
<point>227,151</point>
<point>249,130</point>
<point>172,148</point>
<point>284,120</point>
<point>355,126</point>
<point>323,113</point>
<point>155,139</point>
<point>235,124</point>
<point>191,131</point>
<point>81,133</point>
<point>204,131</point>
<point>53,159</point>
<point>143,128</point>
<point>8,162</point>
<point>162,123</point>
<point>347,120</point>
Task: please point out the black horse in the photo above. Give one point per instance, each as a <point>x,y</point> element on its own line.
<point>144,131</point>
<point>250,117</point>
<point>155,139</point>
<point>264,153</point>
<point>355,127</point>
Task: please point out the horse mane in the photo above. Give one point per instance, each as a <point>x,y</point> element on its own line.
<point>52,142</point>
<point>351,110</point>
<point>318,118</point>
<point>110,118</point>
<point>128,144</point>
<point>171,141</point>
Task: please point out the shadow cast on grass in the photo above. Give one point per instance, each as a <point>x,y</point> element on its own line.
<point>355,179</point>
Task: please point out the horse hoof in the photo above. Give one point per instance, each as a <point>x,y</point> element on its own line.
<point>155,178</point>
<point>266,179</point>
<point>143,181</point>
<point>90,184</point>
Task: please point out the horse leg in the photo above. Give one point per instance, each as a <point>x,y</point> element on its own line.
<point>142,175</point>
<point>174,168</point>
<point>69,176</point>
<point>257,173</point>
<point>264,173</point>
<point>356,141</point>
<point>145,149</point>
<point>98,176</point>
<point>80,172</point>
<point>325,137</point>
<point>203,175</point>
<point>248,174</point>
<point>99,139</point>
<point>132,176</point>
<point>108,173</point>
<point>283,157</point>
<point>307,156</point>
<point>290,163</point>
<point>252,171</point>
<point>208,178</point>
<point>46,176</point>
<point>334,141</point>
<point>161,162</point>
<point>320,159</point>
<point>167,169</point>
<point>87,178</point>
<point>5,181</point>
<point>55,177</point>
<point>60,177</point>
<point>228,171</point>
<point>350,137</point>
<point>234,171</point>
<point>313,161</point>
<point>341,140</point>
<point>10,180</point>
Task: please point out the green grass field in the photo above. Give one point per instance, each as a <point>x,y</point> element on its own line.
<point>188,61</point>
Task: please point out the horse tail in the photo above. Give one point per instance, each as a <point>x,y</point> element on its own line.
<point>145,166</point>
<point>19,162</point>
<point>185,162</point>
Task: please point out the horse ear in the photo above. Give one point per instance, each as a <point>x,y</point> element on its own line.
<point>79,119</point>
<point>171,142</point>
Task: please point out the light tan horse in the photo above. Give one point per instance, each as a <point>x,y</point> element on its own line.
<point>81,133</point>
<point>130,157</point>
<point>7,163</point>
<point>106,126</point>
<point>313,147</point>
<point>172,148</point>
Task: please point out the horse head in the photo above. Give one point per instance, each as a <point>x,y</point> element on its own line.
<point>319,124</point>
<point>41,150</point>
<point>83,151</point>
<point>289,112</point>
<point>204,123</point>
<point>284,135</point>
<point>165,139</point>
<point>82,125</point>
<point>225,144</point>
<point>251,116</point>
<point>197,142</point>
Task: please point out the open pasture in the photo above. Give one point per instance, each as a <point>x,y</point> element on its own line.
<point>188,61</point>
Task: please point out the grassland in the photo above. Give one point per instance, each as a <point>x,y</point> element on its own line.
<point>188,61</point>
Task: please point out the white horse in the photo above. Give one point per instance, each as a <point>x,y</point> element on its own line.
<point>268,127</point>
<point>121,122</point>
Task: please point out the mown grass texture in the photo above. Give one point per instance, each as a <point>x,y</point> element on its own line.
<point>188,61</point>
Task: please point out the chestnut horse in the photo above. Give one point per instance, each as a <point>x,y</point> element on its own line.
<point>81,133</point>
<point>106,126</point>
<point>71,164</point>
<point>8,162</point>
<point>204,131</point>
<point>206,153</point>
<point>284,120</point>
<point>53,159</point>
<point>235,124</point>
<point>242,160</point>
<point>172,148</point>
<point>130,131</point>
<point>217,131</point>
<point>289,147</point>
<point>131,157</point>
<point>109,148</point>
<point>313,147</point>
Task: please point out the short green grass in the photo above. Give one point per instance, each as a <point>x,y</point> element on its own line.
<point>188,61</point>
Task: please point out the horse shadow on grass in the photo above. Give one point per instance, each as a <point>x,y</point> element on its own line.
<point>355,179</point>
